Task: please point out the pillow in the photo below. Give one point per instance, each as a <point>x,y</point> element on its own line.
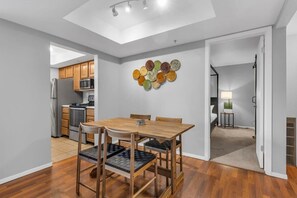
<point>211,108</point>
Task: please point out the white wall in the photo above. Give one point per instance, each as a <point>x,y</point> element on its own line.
<point>291,76</point>
<point>240,80</point>
<point>54,73</point>
<point>25,113</point>
<point>183,98</point>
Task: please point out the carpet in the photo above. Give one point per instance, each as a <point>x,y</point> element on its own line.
<point>234,147</point>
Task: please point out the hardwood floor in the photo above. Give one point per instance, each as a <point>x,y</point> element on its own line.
<point>202,179</point>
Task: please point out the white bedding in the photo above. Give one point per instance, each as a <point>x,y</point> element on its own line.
<point>213,116</point>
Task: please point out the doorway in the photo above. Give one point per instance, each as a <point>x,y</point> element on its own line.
<point>232,92</point>
<point>263,124</point>
<point>69,67</point>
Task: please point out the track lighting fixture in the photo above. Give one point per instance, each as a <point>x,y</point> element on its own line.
<point>128,7</point>
<point>145,5</point>
<point>114,12</point>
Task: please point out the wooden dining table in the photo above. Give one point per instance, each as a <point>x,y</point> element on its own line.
<point>153,129</point>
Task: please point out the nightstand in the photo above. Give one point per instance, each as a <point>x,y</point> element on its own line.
<point>226,118</point>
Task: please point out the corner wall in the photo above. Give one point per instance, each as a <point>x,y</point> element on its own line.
<point>25,113</point>
<point>183,98</point>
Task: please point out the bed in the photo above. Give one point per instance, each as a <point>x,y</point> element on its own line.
<point>213,112</point>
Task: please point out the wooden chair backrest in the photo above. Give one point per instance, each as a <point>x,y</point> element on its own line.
<point>164,119</point>
<point>122,135</point>
<point>139,116</point>
<point>89,129</point>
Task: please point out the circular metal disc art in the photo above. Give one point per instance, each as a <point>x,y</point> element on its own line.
<point>149,65</point>
<point>175,64</point>
<point>155,74</point>
<point>141,79</point>
<point>171,76</point>
<point>147,85</point>
<point>157,65</point>
<point>165,67</point>
<point>156,85</point>
<point>152,76</point>
<point>136,74</point>
<point>143,71</point>
<point>161,78</point>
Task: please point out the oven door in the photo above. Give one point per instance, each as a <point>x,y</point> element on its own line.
<point>77,115</point>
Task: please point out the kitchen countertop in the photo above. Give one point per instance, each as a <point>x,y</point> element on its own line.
<point>90,107</point>
<point>65,105</point>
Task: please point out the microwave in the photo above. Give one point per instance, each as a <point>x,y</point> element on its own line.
<point>87,83</point>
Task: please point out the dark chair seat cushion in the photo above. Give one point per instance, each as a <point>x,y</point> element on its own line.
<point>92,153</point>
<point>121,161</point>
<point>161,146</point>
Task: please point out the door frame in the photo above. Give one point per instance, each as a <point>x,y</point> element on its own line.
<point>267,108</point>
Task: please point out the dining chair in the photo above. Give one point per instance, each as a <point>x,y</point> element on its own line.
<point>129,163</point>
<point>165,147</point>
<point>92,156</point>
<point>140,138</point>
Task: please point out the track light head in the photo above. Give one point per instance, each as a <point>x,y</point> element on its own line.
<point>114,12</point>
<point>145,5</point>
<point>128,7</point>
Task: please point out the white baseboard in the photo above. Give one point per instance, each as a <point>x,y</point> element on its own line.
<point>200,157</point>
<point>27,172</point>
<point>278,175</point>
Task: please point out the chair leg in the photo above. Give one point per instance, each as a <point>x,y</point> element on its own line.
<point>119,142</point>
<point>131,187</point>
<point>103,181</point>
<point>144,149</point>
<point>167,160</point>
<point>181,154</point>
<point>98,180</point>
<point>78,175</point>
<point>156,180</point>
<point>160,156</point>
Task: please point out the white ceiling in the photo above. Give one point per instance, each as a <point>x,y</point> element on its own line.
<point>96,16</point>
<point>231,16</point>
<point>292,26</point>
<point>60,55</point>
<point>234,52</point>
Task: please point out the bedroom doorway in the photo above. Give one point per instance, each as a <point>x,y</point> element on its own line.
<point>233,107</point>
<point>261,97</point>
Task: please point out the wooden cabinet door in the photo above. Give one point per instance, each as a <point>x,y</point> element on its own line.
<point>62,73</point>
<point>84,73</point>
<point>91,69</point>
<point>65,131</point>
<point>76,77</point>
<point>69,72</point>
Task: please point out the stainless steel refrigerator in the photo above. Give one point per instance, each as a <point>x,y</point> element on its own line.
<point>61,94</point>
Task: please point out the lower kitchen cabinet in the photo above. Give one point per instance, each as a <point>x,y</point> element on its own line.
<point>65,121</point>
<point>90,118</point>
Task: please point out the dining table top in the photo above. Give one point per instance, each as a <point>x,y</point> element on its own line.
<point>152,129</point>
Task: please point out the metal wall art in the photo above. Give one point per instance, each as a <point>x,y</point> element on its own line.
<point>155,74</point>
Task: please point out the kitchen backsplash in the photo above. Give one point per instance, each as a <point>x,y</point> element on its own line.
<point>86,95</point>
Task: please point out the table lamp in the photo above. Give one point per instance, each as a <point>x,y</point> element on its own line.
<point>227,95</point>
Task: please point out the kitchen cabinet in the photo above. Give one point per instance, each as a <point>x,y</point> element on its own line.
<point>84,70</point>
<point>62,73</point>
<point>76,78</point>
<point>65,121</point>
<point>91,69</point>
<point>69,72</point>
<point>90,118</point>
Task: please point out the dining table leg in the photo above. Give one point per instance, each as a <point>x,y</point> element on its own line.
<point>173,165</point>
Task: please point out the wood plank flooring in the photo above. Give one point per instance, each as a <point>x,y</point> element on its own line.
<point>202,179</point>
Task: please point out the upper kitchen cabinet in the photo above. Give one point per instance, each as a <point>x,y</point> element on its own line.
<point>69,72</point>
<point>84,70</point>
<point>91,69</point>
<point>62,73</point>
<point>76,77</point>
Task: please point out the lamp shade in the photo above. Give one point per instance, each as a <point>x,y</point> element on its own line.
<point>226,95</point>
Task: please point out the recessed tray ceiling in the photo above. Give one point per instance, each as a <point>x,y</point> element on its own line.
<point>97,17</point>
